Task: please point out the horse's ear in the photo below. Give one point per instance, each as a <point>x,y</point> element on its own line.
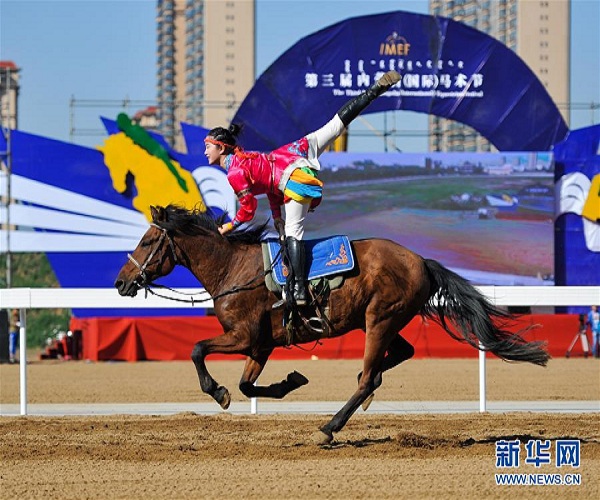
<point>158,214</point>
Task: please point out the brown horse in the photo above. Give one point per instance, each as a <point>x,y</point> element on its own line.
<point>387,288</point>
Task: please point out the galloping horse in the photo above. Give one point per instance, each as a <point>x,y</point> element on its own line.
<point>388,286</point>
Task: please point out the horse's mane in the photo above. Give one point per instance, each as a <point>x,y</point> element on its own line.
<point>195,222</point>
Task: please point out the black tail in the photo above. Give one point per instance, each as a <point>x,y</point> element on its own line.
<point>454,300</point>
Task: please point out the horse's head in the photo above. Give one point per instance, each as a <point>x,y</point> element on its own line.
<point>155,256</point>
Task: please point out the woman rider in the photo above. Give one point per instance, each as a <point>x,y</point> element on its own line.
<point>287,175</point>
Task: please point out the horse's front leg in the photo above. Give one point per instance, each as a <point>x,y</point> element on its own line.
<point>228,343</point>
<point>253,369</point>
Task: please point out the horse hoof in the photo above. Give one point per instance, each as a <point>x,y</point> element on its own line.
<point>322,438</point>
<point>225,401</point>
<point>367,402</point>
<point>223,397</point>
<point>297,379</point>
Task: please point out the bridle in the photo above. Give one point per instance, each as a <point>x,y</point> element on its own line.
<point>142,279</point>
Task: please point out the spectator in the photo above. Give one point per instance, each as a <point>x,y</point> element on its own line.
<point>13,335</point>
<point>593,320</point>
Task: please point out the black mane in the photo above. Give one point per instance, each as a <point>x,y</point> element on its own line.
<point>195,222</point>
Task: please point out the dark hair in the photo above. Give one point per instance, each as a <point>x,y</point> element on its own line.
<point>227,136</point>
<point>197,222</point>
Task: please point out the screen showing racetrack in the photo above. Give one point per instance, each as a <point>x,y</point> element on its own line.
<point>487,216</point>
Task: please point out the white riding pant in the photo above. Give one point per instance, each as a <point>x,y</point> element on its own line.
<point>295,212</point>
<point>321,138</point>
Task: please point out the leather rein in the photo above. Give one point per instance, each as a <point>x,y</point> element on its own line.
<point>143,282</point>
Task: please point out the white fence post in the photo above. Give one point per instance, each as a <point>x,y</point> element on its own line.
<point>23,360</point>
<point>482,400</point>
<point>253,405</point>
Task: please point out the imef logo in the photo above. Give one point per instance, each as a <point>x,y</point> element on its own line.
<point>394,45</point>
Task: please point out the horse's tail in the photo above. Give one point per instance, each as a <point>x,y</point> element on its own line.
<point>478,322</point>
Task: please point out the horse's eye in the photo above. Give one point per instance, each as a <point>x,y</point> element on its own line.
<point>145,244</point>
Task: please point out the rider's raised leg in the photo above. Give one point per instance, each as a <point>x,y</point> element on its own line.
<point>354,107</point>
<point>321,138</point>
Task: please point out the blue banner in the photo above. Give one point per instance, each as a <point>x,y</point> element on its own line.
<point>448,69</point>
<point>577,226</point>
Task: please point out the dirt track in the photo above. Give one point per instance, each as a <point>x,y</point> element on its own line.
<point>226,456</point>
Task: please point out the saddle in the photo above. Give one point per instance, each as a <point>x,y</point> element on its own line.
<point>327,260</point>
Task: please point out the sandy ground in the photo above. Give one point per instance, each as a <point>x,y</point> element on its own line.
<point>274,456</point>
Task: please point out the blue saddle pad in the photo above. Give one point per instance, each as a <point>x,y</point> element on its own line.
<point>324,256</point>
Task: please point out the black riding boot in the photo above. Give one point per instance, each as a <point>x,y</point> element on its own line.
<point>354,107</point>
<point>296,255</point>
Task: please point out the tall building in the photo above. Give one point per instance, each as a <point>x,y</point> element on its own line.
<point>9,94</point>
<point>538,31</point>
<point>9,113</point>
<point>205,62</point>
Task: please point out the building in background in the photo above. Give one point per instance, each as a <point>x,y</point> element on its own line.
<point>205,62</point>
<point>147,118</point>
<point>538,31</point>
<point>9,95</point>
<point>9,119</point>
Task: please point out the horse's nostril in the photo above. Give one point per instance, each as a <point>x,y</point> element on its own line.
<point>118,284</point>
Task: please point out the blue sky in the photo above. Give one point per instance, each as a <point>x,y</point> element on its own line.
<point>105,50</point>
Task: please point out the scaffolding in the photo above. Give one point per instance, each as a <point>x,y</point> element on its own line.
<point>385,128</point>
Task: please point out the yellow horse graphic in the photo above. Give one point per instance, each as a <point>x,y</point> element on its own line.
<point>155,183</point>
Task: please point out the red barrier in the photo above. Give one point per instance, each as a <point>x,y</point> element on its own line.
<point>172,338</point>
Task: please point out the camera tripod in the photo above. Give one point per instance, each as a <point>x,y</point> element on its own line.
<point>580,335</point>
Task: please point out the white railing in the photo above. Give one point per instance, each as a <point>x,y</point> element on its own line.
<point>107,298</point>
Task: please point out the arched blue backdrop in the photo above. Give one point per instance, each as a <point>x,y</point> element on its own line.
<point>448,69</point>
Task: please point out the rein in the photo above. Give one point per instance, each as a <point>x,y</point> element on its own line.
<point>191,300</point>
<point>145,284</point>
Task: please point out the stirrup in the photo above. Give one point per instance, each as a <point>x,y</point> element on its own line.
<point>282,301</point>
<point>278,304</point>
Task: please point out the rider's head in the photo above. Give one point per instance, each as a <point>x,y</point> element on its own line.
<point>225,137</point>
<point>221,142</point>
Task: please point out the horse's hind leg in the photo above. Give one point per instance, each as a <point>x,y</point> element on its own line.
<point>398,351</point>
<point>253,369</point>
<point>376,345</point>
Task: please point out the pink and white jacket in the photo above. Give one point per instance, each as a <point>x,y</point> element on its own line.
<point>251,174</point>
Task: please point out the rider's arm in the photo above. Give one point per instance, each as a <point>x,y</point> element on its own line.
<point>247,208</point>
<point>248,204</point>
<point>275,202</point>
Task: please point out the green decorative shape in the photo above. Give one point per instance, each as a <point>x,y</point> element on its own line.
<point>142,138</point>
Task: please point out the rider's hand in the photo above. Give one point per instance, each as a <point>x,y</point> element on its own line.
<point>225,228</point>
<point>280,227</point>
